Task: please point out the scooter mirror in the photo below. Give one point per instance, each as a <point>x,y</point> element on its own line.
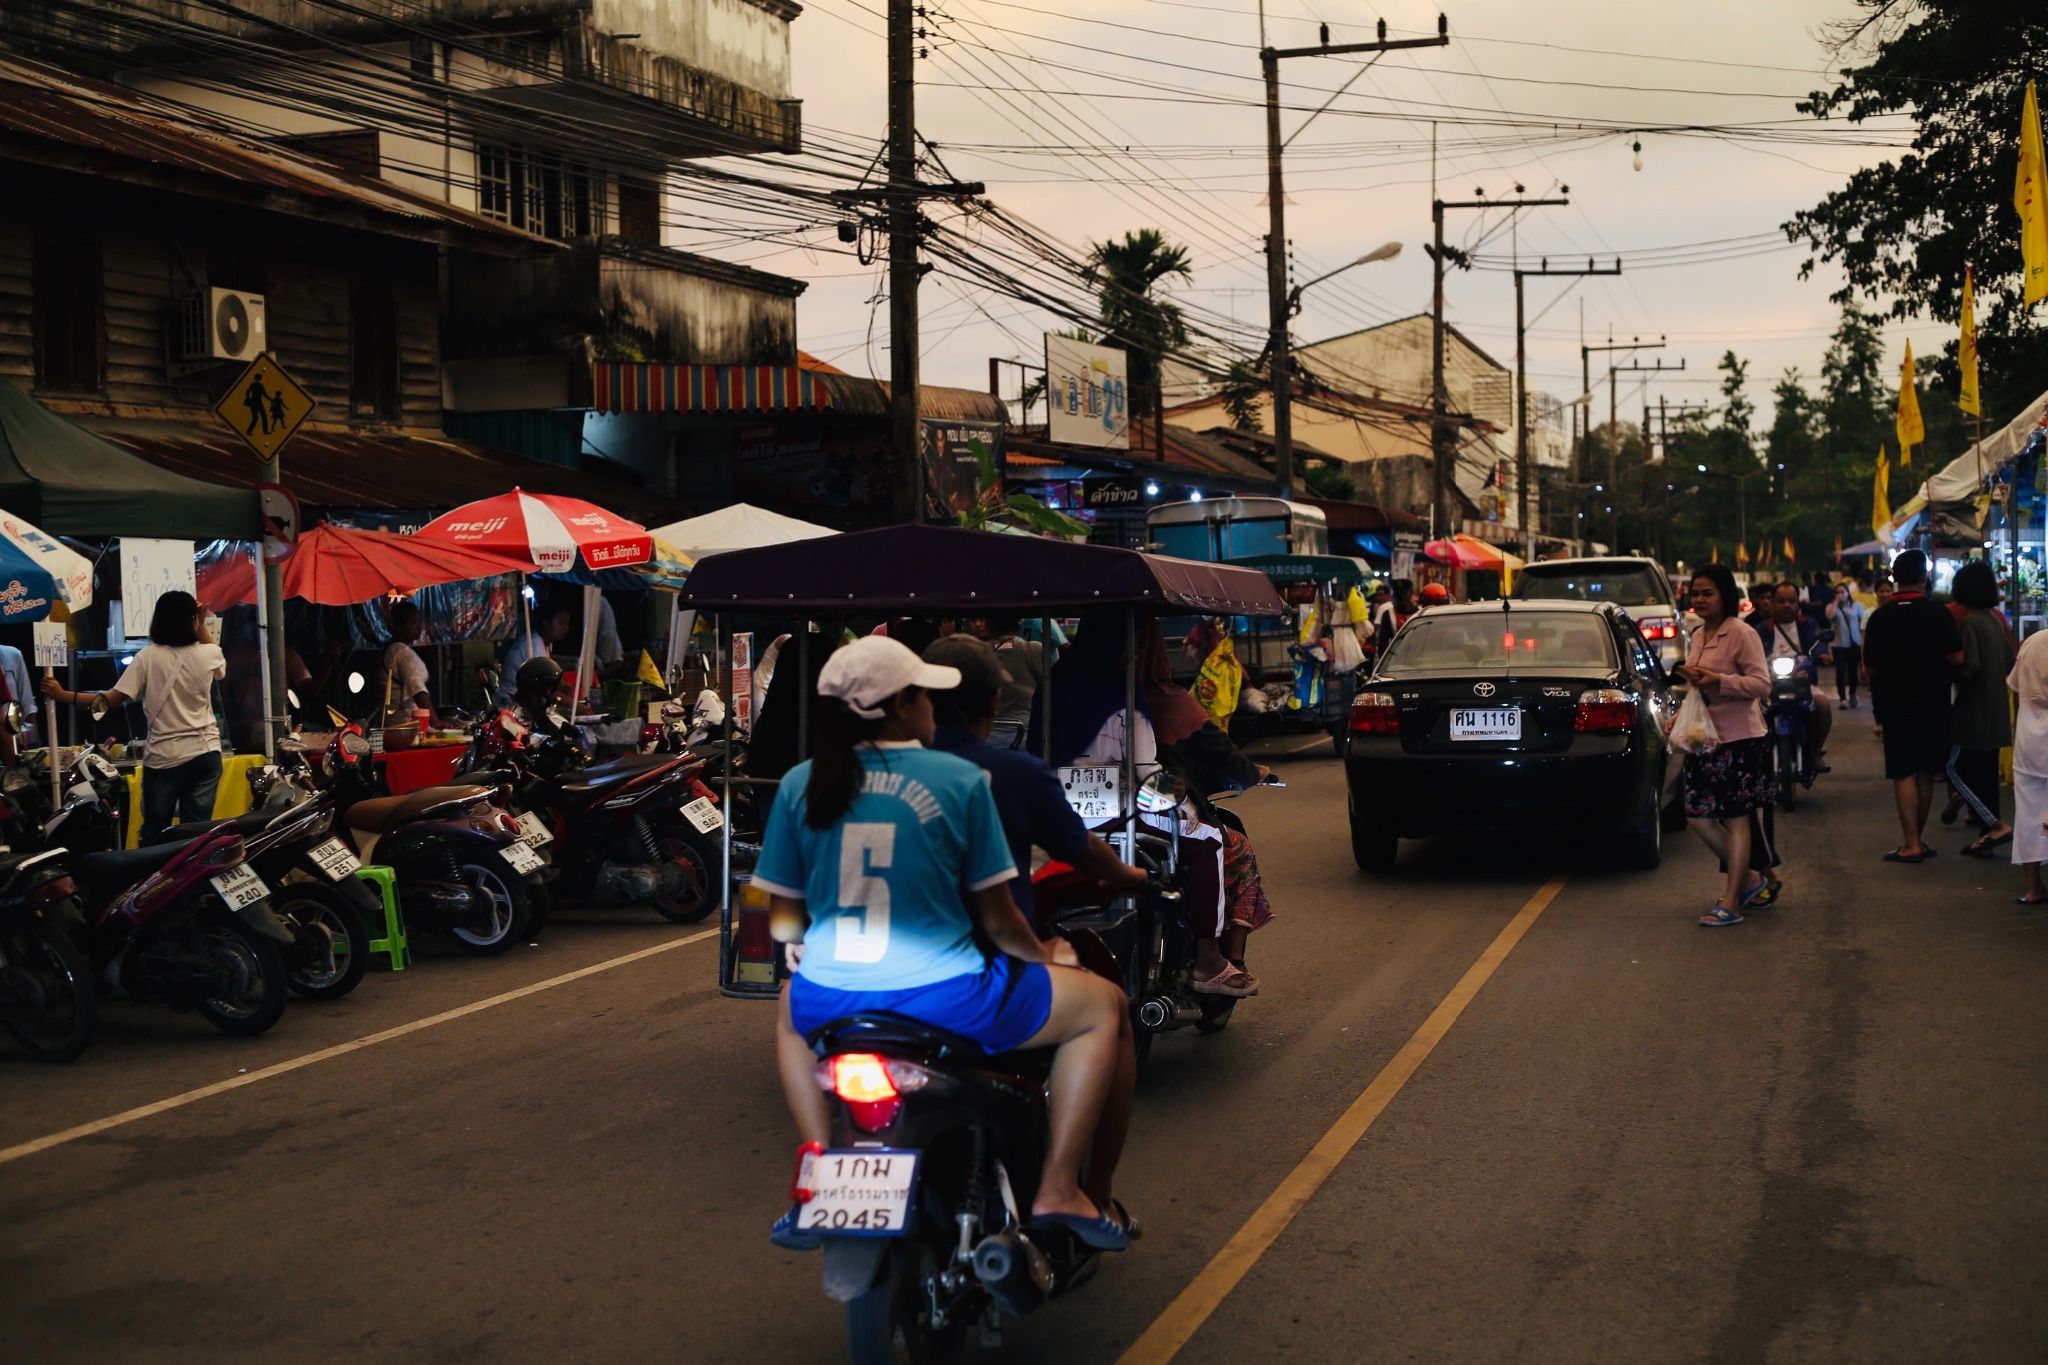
<point>99,708</point>
<point>355,684</point>
<point>291,696</point>
<point>13,717</point>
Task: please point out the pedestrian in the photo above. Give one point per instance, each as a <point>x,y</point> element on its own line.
<point>1880,593</point>
<point>1725,786</point>
<point>173,677</point>
<point>1023,665</point>
<point>1392,614</point>
<point>1845,618</point>
<point>2028,683</point>
<point>1911,651</point>
<point>1983,723</point>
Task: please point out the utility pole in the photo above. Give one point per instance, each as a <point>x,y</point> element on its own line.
<point>1442,449</point>
<point>1277,298</point>
<point>1586,393</point>
<point>1614,439</point>
<point>1522,390</point>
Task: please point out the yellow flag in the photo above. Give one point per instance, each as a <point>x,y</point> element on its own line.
<point>1838,547</point>
<point>1791,554</point>
<point>1716,547</point>
<point>2030,197</point>
<point>1966,354</point>
<point>647,672</point>
<point>1881,497</point>
<point>1912,431</point>
<point>1741,554</point>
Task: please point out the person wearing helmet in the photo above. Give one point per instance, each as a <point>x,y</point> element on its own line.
<point>536,688</point>
<point>1435,595</point>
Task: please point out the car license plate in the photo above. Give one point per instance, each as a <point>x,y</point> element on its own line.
<point>1095,792</point>
<point>240,887</point>
<point>336,859</point>
<point>861,1192</point>
<point>703,814</point>
<point>1495,722</point>
<point>534,830</point>
<point>522,858</point>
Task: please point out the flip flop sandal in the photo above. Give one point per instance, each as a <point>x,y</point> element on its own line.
<point>1099,1232</point>
<point>1719,917</point>
<point>2029,900</point>
<point>1980,848</point>
<point>1233,981</point>
<point>1123,1215</point>
<point>1895,856</point>
<point>1759,898</point>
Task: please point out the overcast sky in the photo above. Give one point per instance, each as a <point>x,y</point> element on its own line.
<point>1355,181</point>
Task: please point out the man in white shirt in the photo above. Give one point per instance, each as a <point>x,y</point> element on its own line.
<point>405,687</point>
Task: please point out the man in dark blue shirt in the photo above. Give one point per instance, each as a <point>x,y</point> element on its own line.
<point>1029,798</point>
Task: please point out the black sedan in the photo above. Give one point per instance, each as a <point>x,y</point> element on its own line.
<point>1524,714</point>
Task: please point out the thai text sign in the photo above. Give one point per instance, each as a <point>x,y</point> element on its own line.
<point>1086,390</point>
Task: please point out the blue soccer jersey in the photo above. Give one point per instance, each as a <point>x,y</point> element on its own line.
<point>887,886</point>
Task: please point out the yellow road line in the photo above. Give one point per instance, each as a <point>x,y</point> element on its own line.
<point>127,1116</point>
<point>1206,1292</point>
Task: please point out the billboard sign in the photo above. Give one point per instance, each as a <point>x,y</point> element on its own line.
<point>963,468</point>
<point>1086,389</point>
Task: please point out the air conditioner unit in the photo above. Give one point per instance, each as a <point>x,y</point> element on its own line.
<point>221,324</point>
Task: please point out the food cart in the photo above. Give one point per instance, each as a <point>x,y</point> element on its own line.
<point>1318,583</point>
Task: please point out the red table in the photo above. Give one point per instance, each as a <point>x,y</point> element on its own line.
<point>428,765</point>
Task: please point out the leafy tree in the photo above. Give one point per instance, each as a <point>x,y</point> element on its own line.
<point>1125,276</point>
<point>1328,481</point>
<point>1243,393</point>
<point>1903,230</point>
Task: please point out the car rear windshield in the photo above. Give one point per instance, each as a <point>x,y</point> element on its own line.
<point>1627,585</point>
<point>1497,642</point>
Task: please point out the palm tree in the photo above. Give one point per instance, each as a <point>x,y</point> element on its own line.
<point>1124,275</point>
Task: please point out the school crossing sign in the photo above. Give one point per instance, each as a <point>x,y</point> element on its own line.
<point>264,406</point>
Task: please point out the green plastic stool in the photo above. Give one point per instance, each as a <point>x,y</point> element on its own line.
<point>393,945</point>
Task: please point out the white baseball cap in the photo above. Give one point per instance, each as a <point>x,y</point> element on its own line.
<point>874,668</point>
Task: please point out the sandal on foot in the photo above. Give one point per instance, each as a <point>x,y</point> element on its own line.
<point>788,1235</point>
<point>1758,897</point>
<point>1899,855</point>
<point>2029,900</point>
<point>1719,917</point>
<point>1123,1216</point>
<point>1100,1232</point>
<point>1233,981</point>
<point>1983,848</point>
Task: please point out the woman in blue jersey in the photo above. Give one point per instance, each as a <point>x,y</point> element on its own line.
<point>890,856</point>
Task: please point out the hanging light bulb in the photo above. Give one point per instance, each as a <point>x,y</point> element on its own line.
<point>1637,148</point>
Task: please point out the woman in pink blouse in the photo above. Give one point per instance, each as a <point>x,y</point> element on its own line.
<point>1727,784</point>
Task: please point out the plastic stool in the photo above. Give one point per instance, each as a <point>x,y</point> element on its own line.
<point>393,945</point>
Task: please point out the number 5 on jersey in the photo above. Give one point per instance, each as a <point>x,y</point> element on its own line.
<point>861,932</point>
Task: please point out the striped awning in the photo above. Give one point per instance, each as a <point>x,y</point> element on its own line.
<point>628,386</point>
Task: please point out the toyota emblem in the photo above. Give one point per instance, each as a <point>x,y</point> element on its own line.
<point>1483,689</point>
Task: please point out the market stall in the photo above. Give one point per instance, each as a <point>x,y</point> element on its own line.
<point>1317,659</point>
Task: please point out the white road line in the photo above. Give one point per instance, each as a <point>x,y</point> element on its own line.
<point>127,1116</point>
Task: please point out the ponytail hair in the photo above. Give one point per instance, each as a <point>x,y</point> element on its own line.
<point>837,774</point>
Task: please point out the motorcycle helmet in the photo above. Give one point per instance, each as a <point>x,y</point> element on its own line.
<point>539,678</point>
<point>1435,594</point>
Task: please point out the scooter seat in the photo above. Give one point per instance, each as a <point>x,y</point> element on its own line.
<point>103,871</point>
<point>882,1031</point>
<point>251,822</point>
<point>610,775</point>
<point>380,814</point>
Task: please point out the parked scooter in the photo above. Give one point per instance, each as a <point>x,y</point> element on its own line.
<point>46,992</point>
<point>1789,716</point>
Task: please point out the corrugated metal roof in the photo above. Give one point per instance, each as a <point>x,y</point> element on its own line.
<point>42,102</point>
<point>346,469</point>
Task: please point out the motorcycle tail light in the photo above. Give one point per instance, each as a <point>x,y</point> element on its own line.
<point>1374,713</point>
<point>1605,711</point>
<point>55,889</point>
<point>508,822</point>
<point>871,1087</point>
<point>698,789</point>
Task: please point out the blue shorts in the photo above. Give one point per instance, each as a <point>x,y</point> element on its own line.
<point>999,1007</point>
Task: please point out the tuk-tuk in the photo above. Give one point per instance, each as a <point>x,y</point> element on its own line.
<point>1320,688</point>
<point>937,571</point>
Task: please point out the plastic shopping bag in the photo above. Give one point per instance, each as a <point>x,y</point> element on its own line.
<point>1219,683</point>
<point>1692,729</point>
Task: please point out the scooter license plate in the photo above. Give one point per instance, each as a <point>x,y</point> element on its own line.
<point>704,815</point>
<point>522,858</point>
<point>239,886</point>
<point>1094,792</point>
<point>534,830</point>
<point>858,1192</point>
<point>336,859</point>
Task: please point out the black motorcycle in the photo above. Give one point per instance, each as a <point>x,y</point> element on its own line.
<point>46,992</point>
<point>1789,715</point>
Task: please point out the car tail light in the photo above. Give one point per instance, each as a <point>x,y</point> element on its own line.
<point>1605,711</point>
<point>1658,630</point>
<point>1374,713</point>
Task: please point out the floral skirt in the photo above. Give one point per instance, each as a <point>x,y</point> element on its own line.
<point>1243,891</point>
<point>1730,780</point>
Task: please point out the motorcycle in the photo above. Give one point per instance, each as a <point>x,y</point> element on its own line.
<point>638,829</point>
<point>290,842</point>
<point>46,991</point>
<point>1788,714</point>
<point>461,861</point>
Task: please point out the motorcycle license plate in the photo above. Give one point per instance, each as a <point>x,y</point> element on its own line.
<point>336,859</point>
<point>534,830</point>
<point>1094,792</point>
<point>239,886</point>
<point>859,1192</point>
<point>522,858</point>
<point>703,814</point>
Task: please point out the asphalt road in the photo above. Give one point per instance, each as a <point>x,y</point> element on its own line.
<point>1816,1136</point>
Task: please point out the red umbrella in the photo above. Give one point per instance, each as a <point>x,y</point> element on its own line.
<point>548,530</point>
<point>336,565</point>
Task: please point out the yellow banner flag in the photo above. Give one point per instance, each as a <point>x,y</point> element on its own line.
<point>2030,197</point>
<point>1791,552</point>
<point>1881,497</point>
<point>1715,557</point>
<point>1966,353</point>
<point>1741,554</point>
<point>1838,546</point>
<point>647,672</point>
<point>1912,431</point>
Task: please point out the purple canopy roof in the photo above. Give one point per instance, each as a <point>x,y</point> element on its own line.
<point>908,570</point>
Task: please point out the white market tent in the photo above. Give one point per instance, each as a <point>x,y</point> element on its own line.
<point>1959,480</point>
<point>741,526</point>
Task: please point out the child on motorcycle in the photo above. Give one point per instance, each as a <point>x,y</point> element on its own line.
<point>890,856</point>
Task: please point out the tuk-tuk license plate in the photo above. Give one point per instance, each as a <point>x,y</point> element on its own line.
<point>336,859</point>
<point>534,830</point>
<point>858,1192</point>
<point>1498,722</point>
<point>703,814</point>
<point>240,887</point>
<point>1094,792</point>
<point>522,858</point>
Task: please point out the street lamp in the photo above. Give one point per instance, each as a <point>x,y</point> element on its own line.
<point>1283,382</point>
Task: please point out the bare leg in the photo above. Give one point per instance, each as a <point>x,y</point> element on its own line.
<point>1926,805</point>
<point>1234,940</point>
<point>2035,890</point>
<point>1736,833</point>
<point>1085,1024</point>
<point>798,1065</point>
<point>1912,813</point>
<point>1712,835</point>
<point>1115,1125</point>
